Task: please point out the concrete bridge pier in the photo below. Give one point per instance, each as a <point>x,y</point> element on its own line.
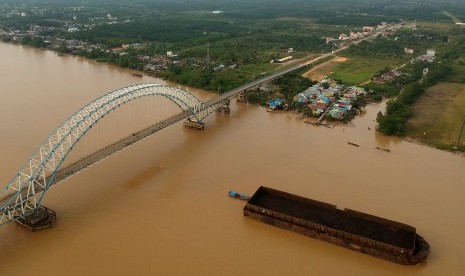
<point>242,98</point>
<point>224,108</point>
<point>41,218</point>
<point>192,124</point>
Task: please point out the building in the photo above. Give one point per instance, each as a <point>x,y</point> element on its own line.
<point>387,77</point>
<point>285,59</point>
<point>219,68</point>
<point>430,52</point>
<point>408,51</point>
<point>368,29</point>
<point>268,87</point>
<point>329,39</point>
<point>276,103</point>
<point>171,54</point>
<point>343,37</point>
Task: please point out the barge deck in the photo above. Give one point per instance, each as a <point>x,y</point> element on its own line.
<point>375,236</point>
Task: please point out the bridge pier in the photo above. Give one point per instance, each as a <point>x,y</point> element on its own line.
<point>41,218</point>
<point>242,98</point>
<point>194,124</point>
<point>224,108</point>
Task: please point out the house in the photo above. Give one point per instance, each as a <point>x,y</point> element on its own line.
<point>430,52</point>
<point>426,58</point>
<point>276,103</point>
<point>408,51</point>
<point>285,59</point>
<point>389,76</point>
<point>353,35</point>
<point>268,87</point>
<point>329,39</point>
<point>368,29</point>
<point>150,67</point>
<point>116,50</point>
<point>337,112</point>
<point>219,67</point>
<point>171,54</point>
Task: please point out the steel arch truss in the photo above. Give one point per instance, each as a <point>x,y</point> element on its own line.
<point>25,191</point>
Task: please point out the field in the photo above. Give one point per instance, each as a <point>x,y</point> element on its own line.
<point>438,116</point>
<point>357,69</point>
<point>325,69</point>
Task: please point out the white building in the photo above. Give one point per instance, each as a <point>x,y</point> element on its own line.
<point>430,52</point>
<point>343,37</point>
<point>171,54</point>
<point>408,50</point>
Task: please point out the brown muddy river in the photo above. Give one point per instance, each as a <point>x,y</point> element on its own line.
<point>161,207</point>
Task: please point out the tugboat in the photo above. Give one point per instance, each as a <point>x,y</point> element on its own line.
<point>386,150</point>
<point>238,195</point>
<point>353,144</point>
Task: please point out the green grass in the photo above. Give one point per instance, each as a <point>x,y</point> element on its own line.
<point>438,116</point>
<point>360,69</point>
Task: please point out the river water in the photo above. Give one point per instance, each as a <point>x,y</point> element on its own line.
<point>161,207</point>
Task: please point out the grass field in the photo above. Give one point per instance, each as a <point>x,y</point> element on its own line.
<point>319,72</point>
<point>357,69</point>
<point>438,116</point>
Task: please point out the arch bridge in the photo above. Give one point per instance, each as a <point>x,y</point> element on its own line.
<point>23,195</point>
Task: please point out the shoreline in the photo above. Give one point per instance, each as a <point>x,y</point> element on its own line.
<point>296,115</point>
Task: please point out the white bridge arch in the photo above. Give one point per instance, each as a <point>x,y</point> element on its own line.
<point>24,193</point>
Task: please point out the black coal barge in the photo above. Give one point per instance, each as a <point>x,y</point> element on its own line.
<point>368,234</point>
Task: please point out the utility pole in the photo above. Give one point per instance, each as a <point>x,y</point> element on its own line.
<point>208,56</point>
<point>208,73</point>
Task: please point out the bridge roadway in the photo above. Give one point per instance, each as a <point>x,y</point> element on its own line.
<point>103,153</point>
<point>135,137</point>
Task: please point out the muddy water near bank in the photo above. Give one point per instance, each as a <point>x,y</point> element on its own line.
<point>161,206</point>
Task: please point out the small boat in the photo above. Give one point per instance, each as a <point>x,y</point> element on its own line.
<point>137,75</point>
<point>238,195</point>
<point>353,144</point>
<point>386,150</point>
